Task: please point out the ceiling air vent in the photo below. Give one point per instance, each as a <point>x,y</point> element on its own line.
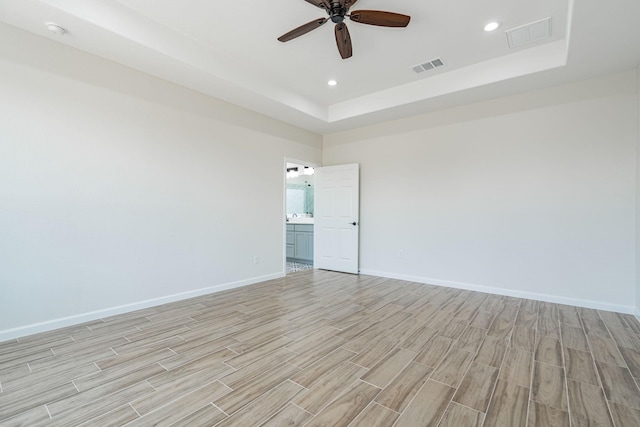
<point>529,33</point>
<point>430,65</point>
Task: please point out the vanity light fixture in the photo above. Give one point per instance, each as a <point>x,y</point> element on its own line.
<point>293,173</point>
<point>308,171</point>
<point>492,26</point>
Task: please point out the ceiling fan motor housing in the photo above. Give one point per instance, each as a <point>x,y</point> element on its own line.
<point>337,13</point>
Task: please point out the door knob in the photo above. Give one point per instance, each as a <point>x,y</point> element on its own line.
<point>354,223</point>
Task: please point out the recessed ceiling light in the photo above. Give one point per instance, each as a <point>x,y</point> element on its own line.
<point>56,29</point>
<point>492,26</point>
<point>332,82</point>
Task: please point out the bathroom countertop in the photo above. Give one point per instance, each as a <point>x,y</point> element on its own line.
<point>301,220</point>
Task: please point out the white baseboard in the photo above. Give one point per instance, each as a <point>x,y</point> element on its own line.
<point>50,325</point>
<point>509,292</point>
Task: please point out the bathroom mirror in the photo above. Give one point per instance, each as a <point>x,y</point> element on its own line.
<point>300,196</point>
<point>299,200</point>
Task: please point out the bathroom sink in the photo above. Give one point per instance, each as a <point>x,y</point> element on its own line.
<point>300,220</point>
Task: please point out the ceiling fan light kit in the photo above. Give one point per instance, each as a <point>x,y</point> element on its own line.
<point>338,10</point>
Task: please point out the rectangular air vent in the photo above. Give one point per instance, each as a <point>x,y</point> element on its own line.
<point>529,33</point>
<point>430,65</point>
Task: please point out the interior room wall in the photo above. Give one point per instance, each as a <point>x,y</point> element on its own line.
<point>638,197</point>
<point>119,190</point>
<point>531,195</point>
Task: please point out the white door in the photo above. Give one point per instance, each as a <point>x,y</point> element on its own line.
<point>336,212</point>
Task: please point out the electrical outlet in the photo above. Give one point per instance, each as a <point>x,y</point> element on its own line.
<point>401,254</point>
<point>256,259</point>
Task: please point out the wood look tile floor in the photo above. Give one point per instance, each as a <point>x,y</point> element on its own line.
<point>319,348</point>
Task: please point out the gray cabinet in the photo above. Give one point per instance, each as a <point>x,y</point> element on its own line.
<point>291,248</point>
<point>300,242</point>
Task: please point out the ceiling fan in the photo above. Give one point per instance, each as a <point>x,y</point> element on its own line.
<point>338,10</point>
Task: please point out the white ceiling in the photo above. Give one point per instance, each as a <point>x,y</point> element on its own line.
<point>229,50</point>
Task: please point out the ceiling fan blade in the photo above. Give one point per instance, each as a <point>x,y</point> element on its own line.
<point>323,4</point>
<point>380,18</point>
<point>303,29</point>
<point>343,39</point>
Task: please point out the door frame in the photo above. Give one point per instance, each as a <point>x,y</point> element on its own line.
<point>284,203</point>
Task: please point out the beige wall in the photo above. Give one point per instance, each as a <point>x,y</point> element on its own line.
<point>532,195</point>
<point>118,189</point>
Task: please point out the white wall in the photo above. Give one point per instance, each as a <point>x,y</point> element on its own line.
<point>117,188</point>
<point>637,312</point>
<point>532,195</point>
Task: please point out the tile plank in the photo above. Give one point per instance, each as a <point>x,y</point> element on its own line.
<point>543,416</point>
<point>37,416</point>
<point>375,415</point>
<point>458,415</point>
<point>385,370</point>
<point>453,367</point>
<point>548,386</point>
<point>400,391</point>
<point>236,399</point>
<point>632,359</point>
<point>618,384</point>
<point>516,367</point>
<point>574,338</point>
<point>116,418</point>
<point>12,404</point>
<point>476,387</point>
<point>580,366</point>
<point>372,355</point>
<point>523,338</point>
<point>508,408</point>
<point>471,339</point>
<point>264,407</point>
<point>343,410</point>
<point>492,352</point>
<point>89,408</point>
<point>291,415</point>
<point>605,351</point>
<point>207,415</point>
<point>549,350</point>
<point>428,407</point>
<point>588,405</point>
<point>183,407</point>
<point>434,351</point>
<point>328,387</point>
<point>308,376</point>
<point>624,416</point>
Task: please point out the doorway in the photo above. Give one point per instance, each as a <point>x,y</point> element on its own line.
<point>299,215</point>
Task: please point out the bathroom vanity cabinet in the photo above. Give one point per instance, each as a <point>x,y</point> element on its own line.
<point>300,243</point>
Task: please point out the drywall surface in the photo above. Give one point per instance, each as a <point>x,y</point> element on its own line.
<point>119,190</point>
<point>532,195</point>
<point>637,311</point>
